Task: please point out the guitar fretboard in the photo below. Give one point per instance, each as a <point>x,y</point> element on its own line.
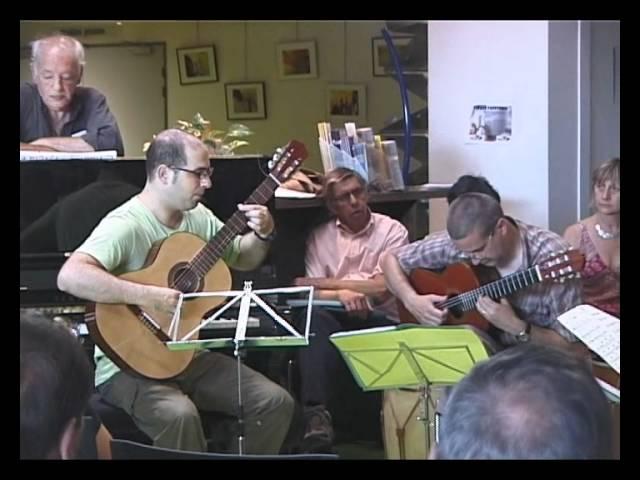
<point>494,290</point>
<point>207,257</point>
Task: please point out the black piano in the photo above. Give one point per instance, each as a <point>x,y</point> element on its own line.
<point>61,201</point>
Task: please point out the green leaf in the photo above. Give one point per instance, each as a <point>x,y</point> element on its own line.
<point>231,146</point>
<point>239,130</point>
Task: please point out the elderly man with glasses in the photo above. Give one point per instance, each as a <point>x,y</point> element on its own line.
<point>58,114</point>
<point>342,262</point>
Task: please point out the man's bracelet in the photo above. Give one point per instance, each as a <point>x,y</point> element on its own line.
<point>268,238</point>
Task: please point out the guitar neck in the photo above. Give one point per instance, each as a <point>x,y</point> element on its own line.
<point>496,290</point>
<point>213,250</point>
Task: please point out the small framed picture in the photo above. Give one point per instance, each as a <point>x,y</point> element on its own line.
<point>245,100</point>
<point>346,101</point>
<point>297,60</point>
<point>197,65</point>
<point>382,62</point>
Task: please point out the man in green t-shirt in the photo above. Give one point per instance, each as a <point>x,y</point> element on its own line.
<point>178,173</point>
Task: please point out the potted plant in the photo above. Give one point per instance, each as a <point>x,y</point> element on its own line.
<point>219,142</point>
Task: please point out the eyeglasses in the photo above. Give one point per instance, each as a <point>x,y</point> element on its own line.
<point>346,197</point>
<point>202,173</point>
<point>479,250</point>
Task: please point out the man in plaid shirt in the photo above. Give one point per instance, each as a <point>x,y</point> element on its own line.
<point>480,232</point>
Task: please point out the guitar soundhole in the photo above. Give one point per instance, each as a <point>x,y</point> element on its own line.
<point>182,278</point>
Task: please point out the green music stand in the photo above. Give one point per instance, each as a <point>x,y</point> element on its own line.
<point>410,355</point>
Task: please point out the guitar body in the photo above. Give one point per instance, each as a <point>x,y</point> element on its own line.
<point>454,280</point>
<point>124,337</point>
<point>136,340</point>
<point>605,373</point>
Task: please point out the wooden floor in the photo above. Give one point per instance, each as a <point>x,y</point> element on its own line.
<point>360,451</point>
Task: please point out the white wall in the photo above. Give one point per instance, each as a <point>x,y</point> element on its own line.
<point>501,63</point>
<point>294,107</point>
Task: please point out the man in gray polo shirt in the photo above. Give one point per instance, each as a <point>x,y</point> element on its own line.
<point>56,113</point>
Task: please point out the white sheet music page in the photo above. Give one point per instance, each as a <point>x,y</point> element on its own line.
<point>32,155</point>
<point>597,329</point>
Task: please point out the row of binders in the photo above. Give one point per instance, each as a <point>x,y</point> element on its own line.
<point>376,160</point>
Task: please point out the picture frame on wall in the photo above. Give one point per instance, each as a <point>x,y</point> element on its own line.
<point>297,60</point>
<point>381,58</point>
<point>245,101</point>
<point>347,101</point>
<point>197,65</point>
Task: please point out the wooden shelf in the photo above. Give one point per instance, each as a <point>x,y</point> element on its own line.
<point>410,194</point>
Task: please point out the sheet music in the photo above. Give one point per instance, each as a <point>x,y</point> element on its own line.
<point>597,329</point>
<point>30,155</point>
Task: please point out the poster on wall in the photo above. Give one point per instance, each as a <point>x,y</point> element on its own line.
<point>489,124</point>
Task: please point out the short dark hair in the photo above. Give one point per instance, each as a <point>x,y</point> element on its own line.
<point>527,402</point>
<point>473,211</point>
<point>471,184</point>
<point>169,148</point>
<point>56,381</point>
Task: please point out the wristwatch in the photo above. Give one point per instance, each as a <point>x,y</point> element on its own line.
<point>525,335</point>
<point>268,238</point>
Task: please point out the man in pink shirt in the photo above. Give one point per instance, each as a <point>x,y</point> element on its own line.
<point>342,262</point>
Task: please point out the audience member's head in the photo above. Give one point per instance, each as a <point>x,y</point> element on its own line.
<point>339,176</point>
<point>345,194</point>
<point>471,184</point>
<point>527,402</point>
<point>609,171</point>
<point>473,212</point>
<point>57,62</point>
<point>605,187</point>
<point>56,381</point>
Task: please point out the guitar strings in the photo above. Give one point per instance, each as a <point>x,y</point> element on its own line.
<point>225,235</point>
<point>470,298</point>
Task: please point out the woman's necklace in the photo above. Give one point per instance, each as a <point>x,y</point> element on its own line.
<point>602,233</point>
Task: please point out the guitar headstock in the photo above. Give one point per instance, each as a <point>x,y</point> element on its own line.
<point>287,160</point>
<point>564,265</point>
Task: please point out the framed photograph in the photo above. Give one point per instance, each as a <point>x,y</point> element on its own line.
<point>382,62</point>
<point>197,65</point>
<point>346,101</point>
<point>297,60</point>
<point>245,100</point>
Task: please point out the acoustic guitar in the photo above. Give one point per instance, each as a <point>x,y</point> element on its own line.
<point>135,339</point>
<point>463,284</point>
